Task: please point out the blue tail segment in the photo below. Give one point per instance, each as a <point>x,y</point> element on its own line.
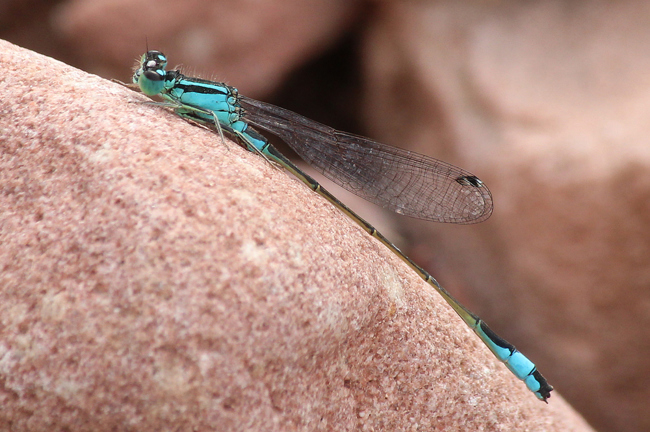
<point>519,364</point>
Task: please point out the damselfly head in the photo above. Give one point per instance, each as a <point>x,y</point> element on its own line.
<point>150,72</point>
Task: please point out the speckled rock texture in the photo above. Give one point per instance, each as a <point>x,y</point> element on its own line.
<point>153,278</point>
<point>549,104</point>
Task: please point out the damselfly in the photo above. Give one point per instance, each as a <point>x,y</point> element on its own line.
<point>408,183</point>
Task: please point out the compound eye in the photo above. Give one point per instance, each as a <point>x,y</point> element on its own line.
<point>152,75</point>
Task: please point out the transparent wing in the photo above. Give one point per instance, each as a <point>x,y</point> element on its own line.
<point>405,182</point>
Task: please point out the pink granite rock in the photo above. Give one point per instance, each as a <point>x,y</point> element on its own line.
<point>155,278</point>
<point>548,103</point>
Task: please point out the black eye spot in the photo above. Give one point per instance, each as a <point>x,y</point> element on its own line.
<point>469,181</point>
<point>152,76</point>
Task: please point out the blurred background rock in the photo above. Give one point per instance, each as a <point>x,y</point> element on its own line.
<point>547,102</point>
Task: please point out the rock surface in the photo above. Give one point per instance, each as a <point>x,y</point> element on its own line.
<point>548,103</point>
<point>154,278</point>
